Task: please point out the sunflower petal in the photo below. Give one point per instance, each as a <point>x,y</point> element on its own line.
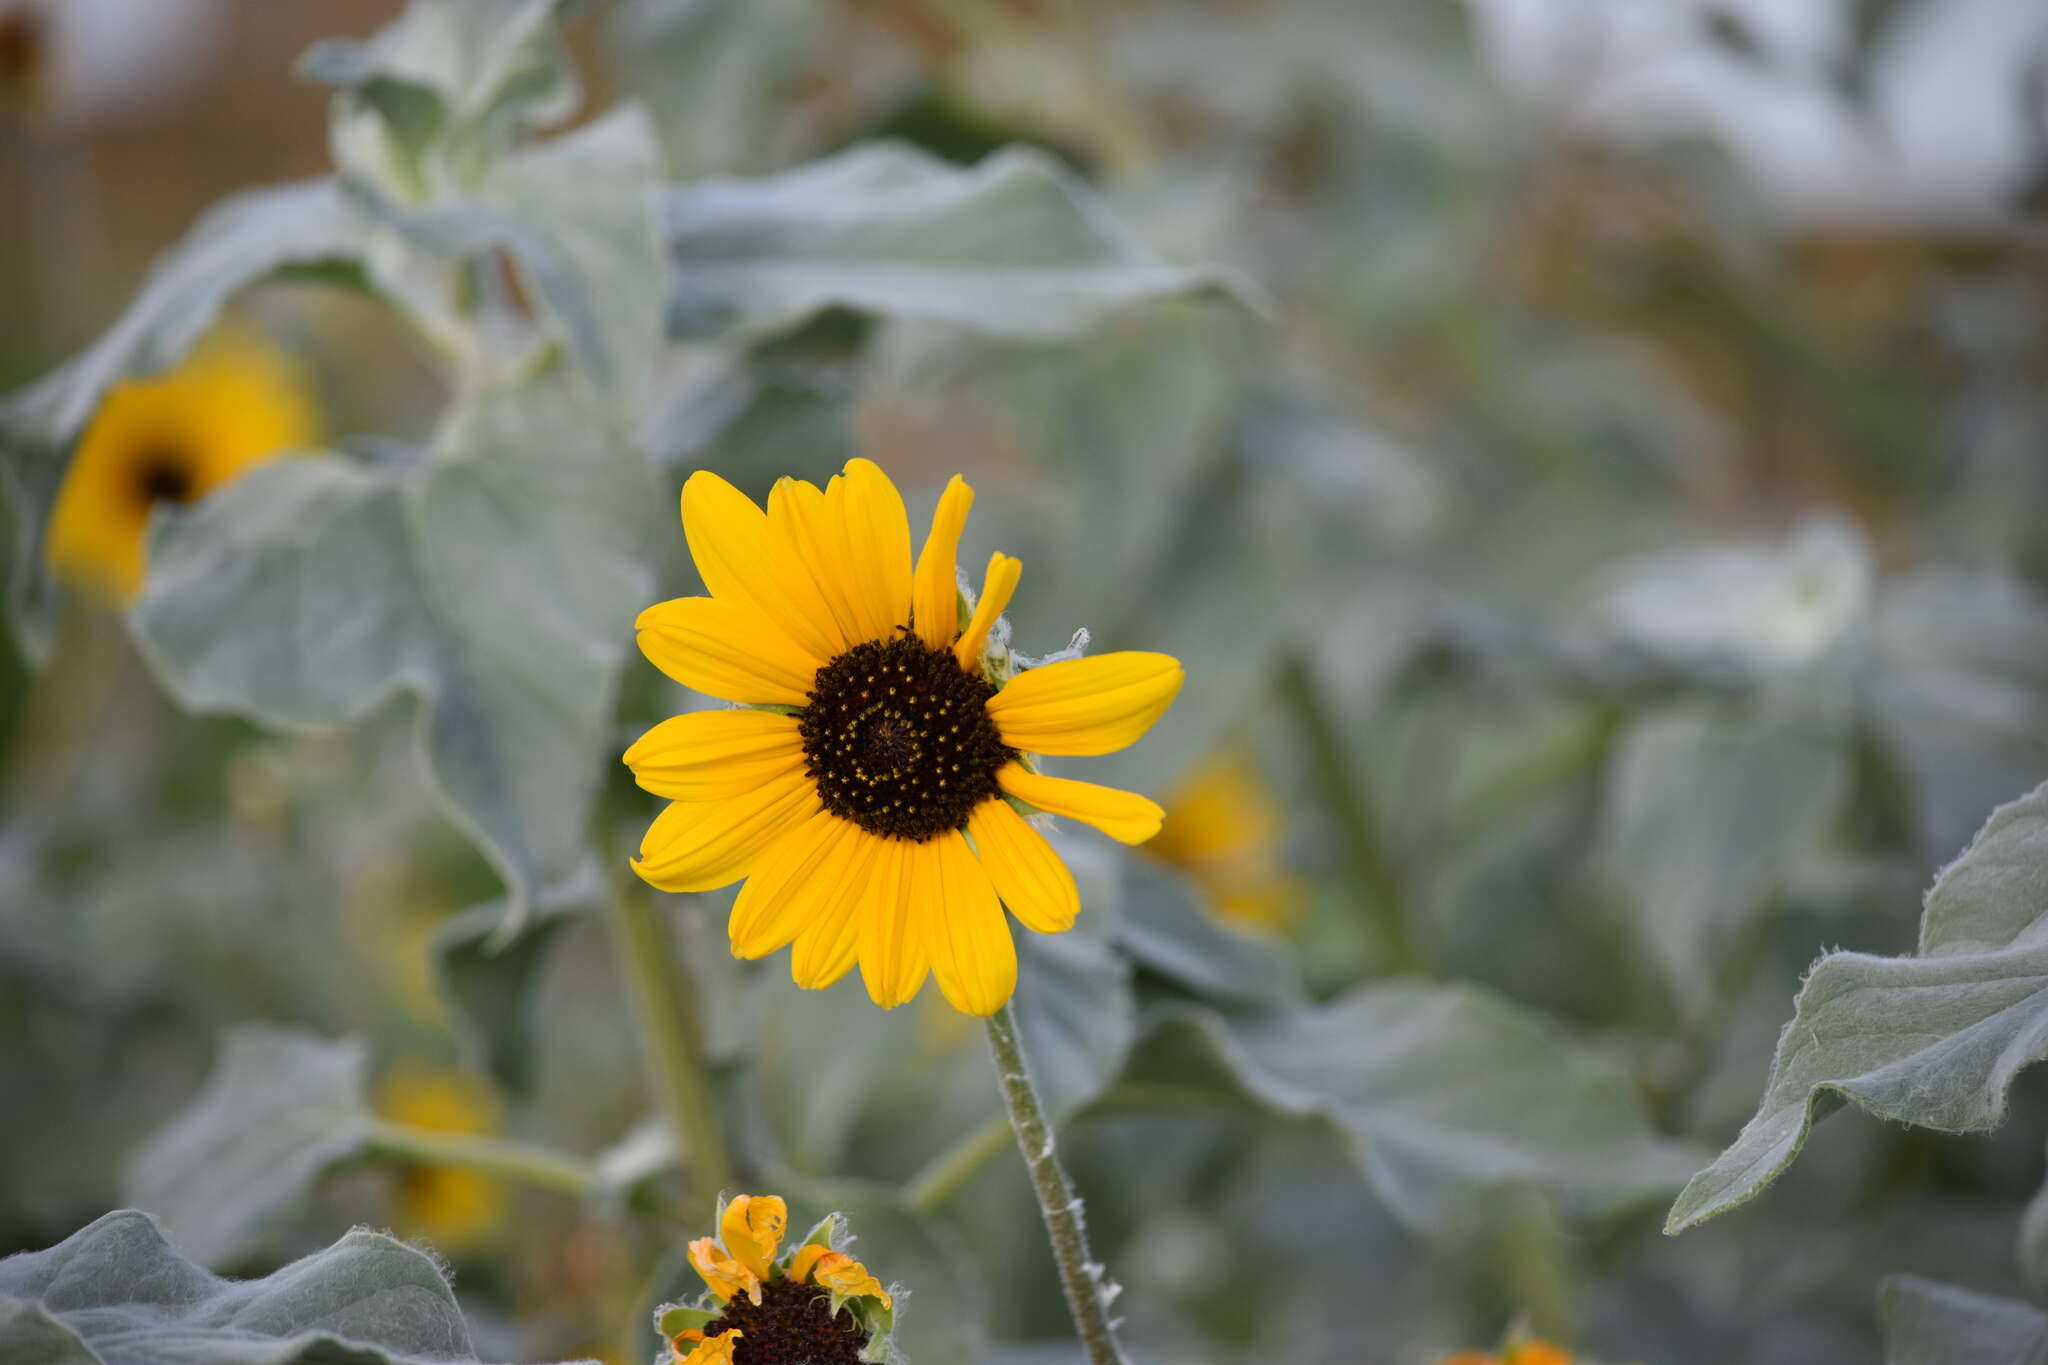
<point>811,532</point>
<point>997,587</point>
<point>893,959</point>
<point>877,546</point>
<point>972,954</point>
<point>723,651</point>
<point>697,845</point>
<point>752,1229</point>
<point>935,593</point>
<point>1086,706</point>
<point>1030,877</point>
<point>707,755</point>
<point>1124,816</point>
<point>722,1273</point>
<point>797,878</point>
<point>743,561</point>
<point>829,945</point>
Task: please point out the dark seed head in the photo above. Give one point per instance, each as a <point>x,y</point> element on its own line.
<point>792,1325</point>
<point>164,475</point>
<point>899,740</point>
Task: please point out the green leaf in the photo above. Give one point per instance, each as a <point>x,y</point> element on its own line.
<point>1744,613</point>
<point>1016,247</point>
<point>1075,1015</point>
<point>1162,924</point>
<point>117,1293</point>
<point>239,242</point>
<point>1927,1323</point>
<point>721,77</point>
<point>1958,694</point>
<point>1706,813</point>
<point>1443,1092</point>
<point>488,978</point>
<point>430,101</point>
<point>497,581</point>
<point>280,1108</point>
<point>1933,1039</point>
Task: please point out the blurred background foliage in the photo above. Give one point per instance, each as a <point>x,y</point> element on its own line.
<point>1599,505</point>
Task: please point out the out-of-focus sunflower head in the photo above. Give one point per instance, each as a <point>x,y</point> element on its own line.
<point>1224,828</point>
<point>456,1210</point>
<point>173,437</point>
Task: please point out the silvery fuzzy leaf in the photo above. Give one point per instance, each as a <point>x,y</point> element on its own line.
<point>1933,1039</point>
<point>1706,813</point>
<point>1928,1323</point>
<point>117,1293</point>
<point>280,1108</point>
<point>488,978</point>
<point>1442,1092</point>
<point>428,102</point>
<point>1163,925</point>
<point>1075,1015</point>
<point>1014,247</point>
<point>1958,693</point>
<point>719,76</point>
<point>496,583</point>
<point>1743,613</point>
<point>249,237</point>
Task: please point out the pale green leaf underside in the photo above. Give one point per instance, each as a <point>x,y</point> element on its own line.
<point>1443,1093</point>
<point>1933,1040</point>
<point>497,581</point>
<point>117,1293</point>
<point>1013,247</point>
<point>1926,1323</point>
<point>279,1109</point>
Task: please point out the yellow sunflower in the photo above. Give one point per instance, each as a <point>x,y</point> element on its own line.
<point>174,437</point>
<point>1223,828</point>
<point>817,1303</point>
<point>874,787</point>
<point>456,1210</point>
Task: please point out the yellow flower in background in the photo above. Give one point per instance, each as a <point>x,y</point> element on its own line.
<point>174,437</point>
<point>1223,828</point>
<point>866,793</point>
<point>1529,1351</point>
<point>818,1303</point>
<point>455,1210</point>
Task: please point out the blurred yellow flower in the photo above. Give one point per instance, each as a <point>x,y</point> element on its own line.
<point>794,1309</point>
<point>870,793</point>
<point>1223,828</point>
<point>455,1210</point>
<point>174,437</point>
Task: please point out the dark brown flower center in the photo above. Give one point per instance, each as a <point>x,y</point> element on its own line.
<point>164,474</point>
<point>899,739</point>
<point>791,1325</point>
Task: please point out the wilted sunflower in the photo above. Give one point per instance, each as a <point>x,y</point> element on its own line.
<point>1526,1351</point>
<point>456,1210</point>
<point>871,795</point>
<point>816,1306</point>
<point>174,437</point>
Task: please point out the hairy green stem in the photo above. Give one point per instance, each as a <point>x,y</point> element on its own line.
<point>945,1173</point>
<point>1088,1294</point>
<point>671,1037</point>
<point>525,1162</point>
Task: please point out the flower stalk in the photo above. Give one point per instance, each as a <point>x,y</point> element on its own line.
<point>1087,1294</point>
<point>671,1037</point>
<point>526,1163</point>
